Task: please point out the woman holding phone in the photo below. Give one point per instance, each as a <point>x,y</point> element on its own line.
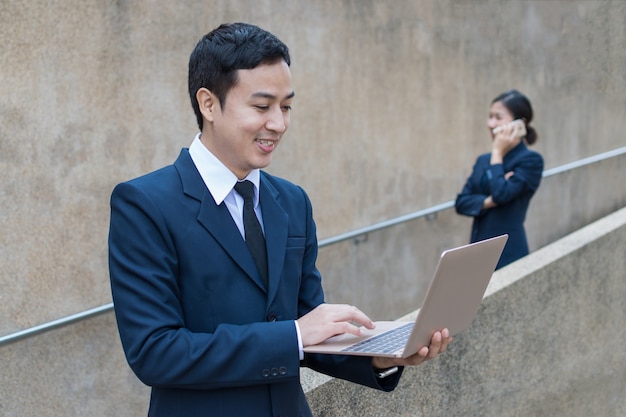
<point>498,191</point>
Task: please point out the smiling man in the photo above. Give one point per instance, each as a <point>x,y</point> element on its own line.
<point>212,261</point>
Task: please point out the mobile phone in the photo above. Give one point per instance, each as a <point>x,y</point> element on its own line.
<point>519,128</point>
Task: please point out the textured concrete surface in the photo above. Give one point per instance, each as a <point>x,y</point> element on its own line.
<point>548,340</point>
<point>389,116</point>
<point>78,371</point>
<point>390,113</point>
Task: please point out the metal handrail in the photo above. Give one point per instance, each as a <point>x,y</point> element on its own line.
<point>385,224</point>
<point>63,321</point>
<point>12,337</point>
<point>449,204</point>
<point>585,161</point>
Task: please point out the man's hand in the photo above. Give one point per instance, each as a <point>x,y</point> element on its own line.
<point>438,344</point>
<point>327,320</point>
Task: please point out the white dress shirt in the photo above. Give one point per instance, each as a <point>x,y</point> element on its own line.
<point>221,183</point>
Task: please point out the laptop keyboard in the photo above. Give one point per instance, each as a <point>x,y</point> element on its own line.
<point>388,342</point>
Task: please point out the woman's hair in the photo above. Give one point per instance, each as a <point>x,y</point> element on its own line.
<point>519,106</point>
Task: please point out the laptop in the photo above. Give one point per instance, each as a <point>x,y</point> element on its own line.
<point>452,300</point>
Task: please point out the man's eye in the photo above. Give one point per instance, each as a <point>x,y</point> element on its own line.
<point>260,107</point>
<point>286,108</point>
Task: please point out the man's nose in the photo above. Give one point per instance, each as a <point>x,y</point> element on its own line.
<point>277,121</point>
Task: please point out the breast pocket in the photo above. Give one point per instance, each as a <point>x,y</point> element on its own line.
<point>294,257</point>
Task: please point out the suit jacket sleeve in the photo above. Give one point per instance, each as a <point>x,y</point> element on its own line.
<point>527,170</point>
<point>161,348</point>
<point>469,201</point>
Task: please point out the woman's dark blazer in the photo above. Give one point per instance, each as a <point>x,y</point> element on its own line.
<point>512,197</point>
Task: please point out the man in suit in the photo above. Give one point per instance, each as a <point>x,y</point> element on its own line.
<point>210,330</point>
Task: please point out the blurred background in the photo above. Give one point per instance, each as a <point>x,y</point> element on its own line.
<point>390,113</point>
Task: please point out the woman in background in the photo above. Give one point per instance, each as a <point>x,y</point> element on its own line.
<point>502,182</point>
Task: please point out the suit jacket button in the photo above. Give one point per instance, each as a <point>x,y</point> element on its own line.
<point>272,317</point>
<point>274,372</point>
<point>265,373</point>
<point>282,370</point>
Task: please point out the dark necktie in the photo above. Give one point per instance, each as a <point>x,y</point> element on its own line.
<point>254,234</point>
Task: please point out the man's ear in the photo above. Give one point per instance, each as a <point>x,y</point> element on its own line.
<point>208,103</point>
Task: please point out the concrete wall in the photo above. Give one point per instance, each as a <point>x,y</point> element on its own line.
<point>390,113</point>
<point>548,340</point>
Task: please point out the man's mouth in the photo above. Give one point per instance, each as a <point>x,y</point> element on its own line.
<point>266,143</point>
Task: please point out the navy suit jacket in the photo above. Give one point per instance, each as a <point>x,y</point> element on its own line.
<point>512,197</point>
<point>195,321</point>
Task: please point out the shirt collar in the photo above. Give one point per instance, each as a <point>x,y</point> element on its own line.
<point>216,176</point>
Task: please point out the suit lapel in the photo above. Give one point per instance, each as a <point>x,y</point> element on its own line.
<point>275,224</point>
<point>216,219</point>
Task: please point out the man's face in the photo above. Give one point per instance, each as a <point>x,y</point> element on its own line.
<point>246,131</point>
